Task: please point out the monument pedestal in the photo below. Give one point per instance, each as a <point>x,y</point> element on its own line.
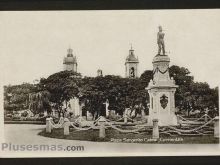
<point>161,93</point>
<point>165,120</point>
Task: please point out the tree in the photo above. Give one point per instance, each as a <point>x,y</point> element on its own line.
<point>203,96</point>
<point>39,102</point>
<point>189,94</point>
<point>16,96</point>
<point>62,86</point>
<point>183,79</point>
<point>146,76</point>
<point>181,75</point>
<point>120,92</point>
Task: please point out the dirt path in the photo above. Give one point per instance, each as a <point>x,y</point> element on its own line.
<point>28,134</point>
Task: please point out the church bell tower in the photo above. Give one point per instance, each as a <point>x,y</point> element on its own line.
<point>70,62</point>
<point>131,65</point>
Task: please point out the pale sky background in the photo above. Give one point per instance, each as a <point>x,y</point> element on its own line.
<point>33,43</point>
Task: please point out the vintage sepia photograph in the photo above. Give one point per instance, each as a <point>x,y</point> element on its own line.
<point>110,83</point>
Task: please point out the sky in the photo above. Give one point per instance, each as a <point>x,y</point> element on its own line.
<point>34,43</point>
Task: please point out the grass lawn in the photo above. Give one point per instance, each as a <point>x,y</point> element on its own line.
<point>115,136</point>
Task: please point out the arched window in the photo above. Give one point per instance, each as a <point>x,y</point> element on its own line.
<point>132,74</point>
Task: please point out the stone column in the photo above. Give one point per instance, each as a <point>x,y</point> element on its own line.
<point>48,125</point>
<point>126,115</point>
<point>66,124</point>
<point>206,118</point>
<point>102,127</point>
<point>155,129</point>
<point>76,106</point>
<point>106,108</point>
<point>87,115</point>
<point>142,113</point>
<point>216,127</point>
<point>179,120</point>
<point>125,118</point>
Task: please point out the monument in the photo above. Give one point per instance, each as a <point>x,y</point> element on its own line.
<point>162,88</point>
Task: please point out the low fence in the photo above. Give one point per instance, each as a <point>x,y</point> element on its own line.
<point>186,128</point>
<point>203,119</point>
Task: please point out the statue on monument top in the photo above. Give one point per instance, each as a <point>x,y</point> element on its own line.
<point>160,41</point>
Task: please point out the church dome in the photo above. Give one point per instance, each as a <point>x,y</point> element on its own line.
<point>131,57</point>
<point>70,59</point>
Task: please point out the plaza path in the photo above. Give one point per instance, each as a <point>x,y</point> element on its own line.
<point>28,134</point>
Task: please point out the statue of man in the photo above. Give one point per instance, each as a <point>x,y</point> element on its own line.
<point>160,41</point>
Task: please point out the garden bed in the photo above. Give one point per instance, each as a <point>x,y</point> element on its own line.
<point>115,136</point>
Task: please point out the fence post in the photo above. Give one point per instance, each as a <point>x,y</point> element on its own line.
<point>102,127</point>
<point>51,120</point>
<point>206,117</point>
<point>155,129</point>
<point>142,113</point>
<point>216,127</point>
<point>61,121</point>
<point>80,120</point>
<point>66,124</point>
<point>48,125</point>
<point>125,118</point>
<point>178,119</point>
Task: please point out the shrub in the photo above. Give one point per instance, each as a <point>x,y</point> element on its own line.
<point>16,118</point>
<point>41,115</point>
<point>7,118</point>
<point>24,114</point>
<point>41,118</point>
<point>30,119</point>
<point>9,115</point>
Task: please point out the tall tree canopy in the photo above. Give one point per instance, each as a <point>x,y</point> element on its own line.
<point>120,92</point>
<point>146,76</point>
<point>62,86</point>
<point>94,91</point>
<point>16,96</point>
<point>192,94</point>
